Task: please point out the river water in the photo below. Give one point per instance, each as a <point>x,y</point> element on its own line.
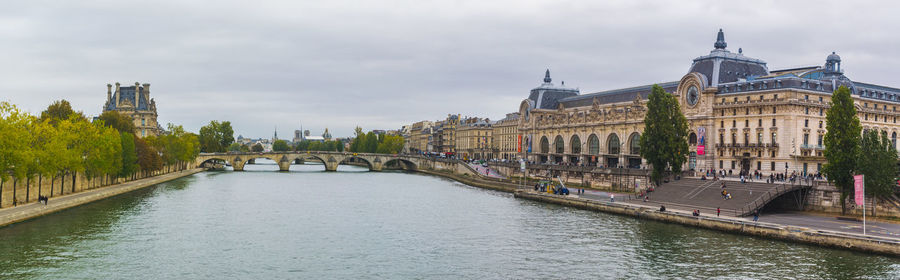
<point>353,224</point>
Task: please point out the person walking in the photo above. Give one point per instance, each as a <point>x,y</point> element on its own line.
<point>756,215</point>
<point>718,211</point>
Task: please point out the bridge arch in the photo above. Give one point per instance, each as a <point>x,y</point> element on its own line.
<point>368,163</point>
<point>404,164</point>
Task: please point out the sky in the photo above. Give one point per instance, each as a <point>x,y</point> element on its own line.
<point>383,64</point>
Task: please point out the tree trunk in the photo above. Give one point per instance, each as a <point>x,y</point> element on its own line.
<point>74,174</point>
<point>14,191</point>
<point>62,183</point>
<point>1,193</point>
<point>27,188</point>
<point>52,180</point>
<point>40,180</point>
<point>874,203</point>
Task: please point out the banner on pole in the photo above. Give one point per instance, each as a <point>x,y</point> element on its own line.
<point>519,144</point>
<point>860,189</point>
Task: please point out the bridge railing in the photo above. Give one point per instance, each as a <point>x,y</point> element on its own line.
<point>762,200</point>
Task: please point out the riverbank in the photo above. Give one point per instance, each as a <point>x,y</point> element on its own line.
<point>818,237</point>
<point>32,210</point>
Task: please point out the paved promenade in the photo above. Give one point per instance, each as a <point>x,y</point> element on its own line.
<point>794,219</point>
<point>32,210</point>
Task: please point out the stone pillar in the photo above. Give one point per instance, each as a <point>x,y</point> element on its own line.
<point>238,164</point>
<point>377,164</point>
<point>108,93</point>
<point>284,164</point>
<point>331,163</point>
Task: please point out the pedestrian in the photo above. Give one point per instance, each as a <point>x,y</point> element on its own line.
<point>756,215</point>
<point>718,211</point>
<point>612,198</point>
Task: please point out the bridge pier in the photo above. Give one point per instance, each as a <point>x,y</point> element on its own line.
<point>237,164</point>
<point>284,164</point>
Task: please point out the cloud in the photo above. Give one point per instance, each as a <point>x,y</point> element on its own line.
<point>383,64</point>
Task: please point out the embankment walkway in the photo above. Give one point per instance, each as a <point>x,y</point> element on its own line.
<point>20,213</point>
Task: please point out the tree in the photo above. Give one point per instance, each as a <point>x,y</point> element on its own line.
<point>371,143</point>
<point>216,136</point>
<point>390,145</point>
<point>358,141</point>
<point>234,147</point>
<point>14,143</point>
<point>257,148</point>
<point>129,155</point>
<point>877,160</point>
<point>664,143</point>
<point>841,143</point>
<point>60,110</point>
<point>280,146</point>
<point>147,156</point>
<point>302,146</point>
<point>116,120</point>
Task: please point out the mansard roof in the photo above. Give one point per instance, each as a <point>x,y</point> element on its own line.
<point>616,95</point>
<point>128,96</point>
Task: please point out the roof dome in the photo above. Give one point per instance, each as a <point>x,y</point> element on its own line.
<point>833,57</point>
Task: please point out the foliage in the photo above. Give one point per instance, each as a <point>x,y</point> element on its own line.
<point>14,143</point>
<point>216,136</point>
<point>390,144</point>
<point>116,120</point>
<point>371,142</point>
<point>664,142</point>
<point>257,148</point>
<point>129,155</point>
<point>841,143</point>
<point>148,158</point>
<point>234,147</point>
<point>60,110</point>
<point>280,146</point>
<point>877,160</point>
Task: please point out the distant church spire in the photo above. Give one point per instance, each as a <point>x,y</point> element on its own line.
<point>720,40</point>
<point>547,76</point>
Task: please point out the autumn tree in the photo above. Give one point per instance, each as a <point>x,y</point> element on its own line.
<point>664,142</point>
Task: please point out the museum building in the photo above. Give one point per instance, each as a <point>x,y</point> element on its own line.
<point>742,116</point>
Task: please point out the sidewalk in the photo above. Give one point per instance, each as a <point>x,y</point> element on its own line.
<point>796,219</point>
<point>32,210</point>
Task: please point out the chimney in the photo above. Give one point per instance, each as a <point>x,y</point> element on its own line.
<point>118,95</point>
<point>108,93</point>
<point>137,92</point>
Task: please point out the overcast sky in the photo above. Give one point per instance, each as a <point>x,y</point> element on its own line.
<point>383,64</point>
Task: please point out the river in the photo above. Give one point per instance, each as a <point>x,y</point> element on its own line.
<point>353,224</point>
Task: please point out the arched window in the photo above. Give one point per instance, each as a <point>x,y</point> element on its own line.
<point>894,139</point>
<point>545,145</point>
<point>559,144</point>
<point>593,144</point>
<point>613,144</point>
<point>575,143</point>
<point>692,139</point>
<point>635,143</point>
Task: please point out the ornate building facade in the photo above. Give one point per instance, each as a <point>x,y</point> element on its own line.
<point>135,102</point>
<point>742,116</point>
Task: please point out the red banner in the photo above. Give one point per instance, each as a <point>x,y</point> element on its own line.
<point>860,189</point>
<point>519,144</point>
<point>701,150</point>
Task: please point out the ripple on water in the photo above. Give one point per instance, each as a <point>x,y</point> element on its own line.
<point>311,224</point>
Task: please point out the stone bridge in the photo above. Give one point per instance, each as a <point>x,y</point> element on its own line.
<point>375,162</point>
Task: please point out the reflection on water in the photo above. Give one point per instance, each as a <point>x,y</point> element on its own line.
<point>311,224</point>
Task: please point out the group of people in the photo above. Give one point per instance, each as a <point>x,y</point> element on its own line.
<point>43,199</point>
<point>725,194</point>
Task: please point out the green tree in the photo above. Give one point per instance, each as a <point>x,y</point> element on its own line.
<point>390,145</point>
<point>129,155</point>
<point>841,143</point>
<point>14,143</point>
<point>257,148</point>
<point>116,120</point>
<point>877,160</point>
<point>664,142</point>
<point>60,110</point>
<point>371,143</point>
<point>280,146</point>
<point>216,136</point>
<point>358,141</point>
<point>302,146</point>
<point>234,147</point>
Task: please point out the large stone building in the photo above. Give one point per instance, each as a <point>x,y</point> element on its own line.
<point>474,139</point>
<point>742,116</point>
<point>135,102</point>
<point>505,134</point>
